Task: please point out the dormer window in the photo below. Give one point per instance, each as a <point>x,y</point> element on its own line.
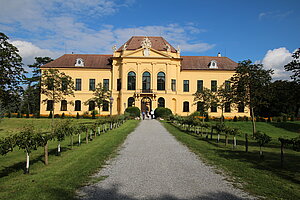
<point>213,64</point>
<point>79,62</point>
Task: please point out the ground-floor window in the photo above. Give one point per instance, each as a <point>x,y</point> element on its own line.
<point>49,105</point>
<point>105,106</point>
<point>63,106</point>
<point>186,106</point>
<point>161,102</point>
<point>241,107</point>
<point>77,105</point>
<point>227,107</point>
<point>91,105</point>
<point>200,106</point>
<point>130,101</point>
<point>213,107</point>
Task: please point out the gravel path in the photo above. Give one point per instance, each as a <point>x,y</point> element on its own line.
<point>153,165</point>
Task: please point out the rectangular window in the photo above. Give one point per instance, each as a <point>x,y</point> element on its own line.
<point>64,85</point>
<point>186,106</point>
<point>105,106</point>
<point>213,107</point>
<point>63,106</point>
<point>77,105</point>
<point>199,85</point>
<point>106,84</point>
<point>227,85</point>
<point>213,86</point>
<point>200,106</point>
<point>78,84</point>
<point>92,84</point>
<point>241,107</point>
<point>50,83</point>
<point>173,84</point>
<point>119,84</point>
<point>186,86</point>
<point>50,105</point>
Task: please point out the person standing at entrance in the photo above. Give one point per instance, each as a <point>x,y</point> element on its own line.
<point>152,114</point>
<point>143,114</point>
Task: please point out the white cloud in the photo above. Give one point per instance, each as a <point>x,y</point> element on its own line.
<point>276,59</point>
<point>29,51</point>
<point>278,15</point>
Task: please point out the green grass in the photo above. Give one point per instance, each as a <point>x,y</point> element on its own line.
<point>65,173</point>
<point>261,177</point>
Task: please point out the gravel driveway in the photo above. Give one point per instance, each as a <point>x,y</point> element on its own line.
<point>152,164</point>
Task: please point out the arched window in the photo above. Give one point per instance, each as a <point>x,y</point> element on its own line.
<point>91,105</point>
<point>227,107</point>
<point>186,106</point>
<point>131,80</point>
<point>161,81</point>
<point>130,101</point>
<point>161,102</point>
<point>50,105</point>
<point>213,107</point>
<point>77,105</point>
<point>63,106</point>
<point>105,106</point>
<point>146,81</point>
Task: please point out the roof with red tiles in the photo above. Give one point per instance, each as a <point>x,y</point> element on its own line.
<point>157,43</point>
<point>203,62</point>
<point>90,61</point>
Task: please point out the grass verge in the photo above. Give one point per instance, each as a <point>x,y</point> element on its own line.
<point>64,174</point>
<point>263,178</point>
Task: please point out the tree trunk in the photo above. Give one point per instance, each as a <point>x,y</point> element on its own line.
<point>46,153</point>
<point>281,154</point>
<point>260,151</point>
<point>222,115</point>
<point>218,138</point>
<point>99,132</point>
<point>87,136</point>
<point>58,149</point>
<point>211,133</point>
<point>253,122</point>
<point>246,142</point>
<point>226,140</point>
<point>27,163</point>
<point>234,142</point>
<point>79,139</point>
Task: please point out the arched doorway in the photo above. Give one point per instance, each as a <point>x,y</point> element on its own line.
<point>146,104</point>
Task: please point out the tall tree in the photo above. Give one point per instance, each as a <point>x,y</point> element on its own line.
<point>101,95</point>
<point>206,98</point>
<point>33,90</point>
<point>294,66</point>
<point>247,86</point>
<point>55,85</point>
<point>11,69</point>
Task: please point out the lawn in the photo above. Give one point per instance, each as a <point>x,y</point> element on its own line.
<point>260,177</point>
<point>65,173</point>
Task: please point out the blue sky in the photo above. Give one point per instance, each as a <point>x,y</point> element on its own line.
<point>264,31</point>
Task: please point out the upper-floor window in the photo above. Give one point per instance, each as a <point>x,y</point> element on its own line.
<point>106,84</point>
<point>64,85</point>
<point>119,84</point>
<point>186,86</point>
<point>161,80</point>
<point>173,84</point>
<point>131,81</point>
<point>92,84</point>
<point>50,84</point>
<point>78,84</point>
<point>213,86</point>
<point>227,85</point>
<point>199,85</point>
<point>146,81</point>
<point>213,64</point>
<point>79,62</point>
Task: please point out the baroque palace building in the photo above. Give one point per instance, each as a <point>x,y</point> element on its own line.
<point>146,72</point>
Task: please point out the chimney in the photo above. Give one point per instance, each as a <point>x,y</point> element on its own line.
<point>219,54</point>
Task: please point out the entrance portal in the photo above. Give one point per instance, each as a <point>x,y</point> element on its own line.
<point>146,104</point>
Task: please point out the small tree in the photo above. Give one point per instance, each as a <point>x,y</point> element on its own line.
<point>294,66</point>
<point>55,85</point>
<point>224,96</point>
<point>207,98</point>
<point>101,95</point>
<point>262,139</point>
<point>27,140</point>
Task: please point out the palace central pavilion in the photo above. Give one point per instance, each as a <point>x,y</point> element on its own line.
<point>146,72</point>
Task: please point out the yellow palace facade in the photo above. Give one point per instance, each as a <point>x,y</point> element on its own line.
<point>146,72</point>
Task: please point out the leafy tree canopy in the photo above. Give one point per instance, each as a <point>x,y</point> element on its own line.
<point>294,66</point>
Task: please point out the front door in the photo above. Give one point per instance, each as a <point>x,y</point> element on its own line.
<point>146,104</point>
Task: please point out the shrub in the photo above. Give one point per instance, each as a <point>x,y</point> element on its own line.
<point>56,116</point>
<point>133,112</point>
<point>9,115</point>
<point>235,119</point>
<point>63,115</point>
<point>292,118</point>
<point>163,112</point>
<point>206,118</point>
<point>284,118</point>
<point>241,119</point>
<point>246,118</point>
<point>278,119</point>
<point>77,116</point>
<point>93,114</point>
